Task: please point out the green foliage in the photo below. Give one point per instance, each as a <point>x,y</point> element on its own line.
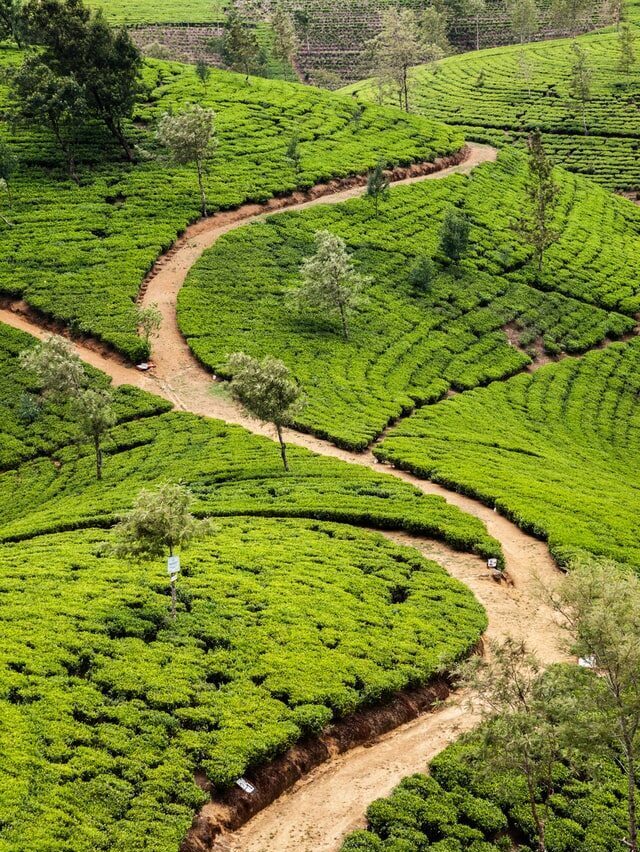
<point>408,348</point>
<point>110,229</point>
<point>528,87</point>
<point>454,235</point>
<point>557,451</point>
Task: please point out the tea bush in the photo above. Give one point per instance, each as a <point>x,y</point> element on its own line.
<point>79,253</point>
<point>493,95</point>
<point>556,451</point>
<point>408,347</point>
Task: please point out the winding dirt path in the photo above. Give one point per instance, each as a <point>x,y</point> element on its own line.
<point>331,800</point>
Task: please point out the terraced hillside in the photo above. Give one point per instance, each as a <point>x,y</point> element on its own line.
<point>111,706</point>
<point>408,346</point>
<point>501,95</point>
<point>558,451</point>
<point>110,228</point>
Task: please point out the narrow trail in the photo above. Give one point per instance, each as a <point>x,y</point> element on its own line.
<point>315,814</point>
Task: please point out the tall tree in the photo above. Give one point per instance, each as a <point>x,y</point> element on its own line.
<point>62,376</point>
<point>149,321</point>
<point>104,63</point>
<point>49,100</point>
<point>377,185</point>
<point>190,137</point>
<point>571,15</point>
<point>475,9</point>
<point>536,225</point>
<point>12,21</point>
<point>525,68</point>
<point>600,603</point>
<point>626,45</point>
<point>523,18</point>
<point>580,82</point>
<point>519,733</point>
<point>285,43</point>
<point>267,390</point>
<point>330,282</point>
<point>95,417</point>
<point>159,524</point>
<point>241,50</point>
<point>454,235</point>
<point>396,48</point>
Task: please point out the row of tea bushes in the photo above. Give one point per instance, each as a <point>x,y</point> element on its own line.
<point>557,451</point>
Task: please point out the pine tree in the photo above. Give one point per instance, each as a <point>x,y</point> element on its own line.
<point>542,192</point>
<point>377,185</point>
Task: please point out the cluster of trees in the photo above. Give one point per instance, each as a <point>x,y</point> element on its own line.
<point>570,713</point>
<point>78,70</point>
<point>241,49</point>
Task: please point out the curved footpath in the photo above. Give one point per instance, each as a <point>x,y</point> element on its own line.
<point>316,813</point>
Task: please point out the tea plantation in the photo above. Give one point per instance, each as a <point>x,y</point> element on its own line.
<point>557,451</point>
<point>108,231</point>
<point>408,346</point>
<point>288,616</point>
<point>500,95</point>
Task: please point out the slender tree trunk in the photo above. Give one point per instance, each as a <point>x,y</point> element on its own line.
<point>283,447</point>
<point>584,120</point>
<point>405,83</point>
<point>203,197</point>
<point>98,448</point>
<point>631,794</point>
<point>174,591</point>
<point>477,33</point>
<point>536,815</point>
<point>116,131</point>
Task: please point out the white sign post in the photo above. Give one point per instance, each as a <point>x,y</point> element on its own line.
<point>173,569</point>
<point>492,563</point>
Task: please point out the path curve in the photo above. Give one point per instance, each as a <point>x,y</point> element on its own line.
<point>332,799</point>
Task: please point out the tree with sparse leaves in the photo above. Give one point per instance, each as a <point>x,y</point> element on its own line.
<point>293,151</point>
<point>95,416</point>
<point>523,18</point>
<point>241,50</point>
<point>330,282</point>
<point>62,376</point>
<point>399,45</point>
<point>571,14</point>
<point>203,72</point>
<point>190,137</point>
<point>519,733</point>
<point>377,185</point>
<point>626,45</point>
<point>267,390</point>
<point>580,82</point>
<point>148,320</point>
<point>474,9</point>
<point>159,524</point>
<point>600,605</point>
<point>285,41</point>
<point>536,225</point>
